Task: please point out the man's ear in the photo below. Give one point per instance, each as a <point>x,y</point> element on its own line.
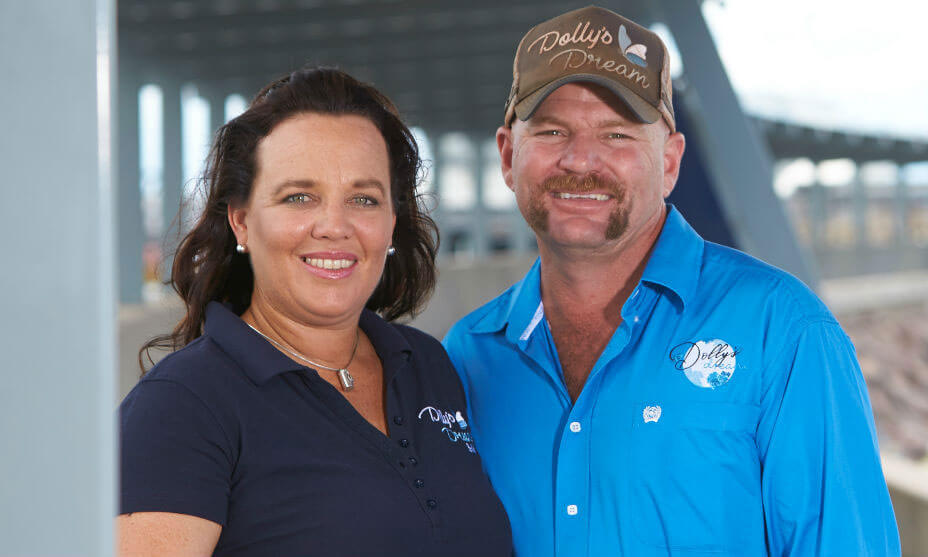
<point>504,144</point>
<point>673,154</point>
<point>237,223</point>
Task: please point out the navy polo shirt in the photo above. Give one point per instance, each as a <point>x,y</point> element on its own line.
<point>231,430</point>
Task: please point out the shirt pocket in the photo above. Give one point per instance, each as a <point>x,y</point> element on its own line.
<point>696,477</point>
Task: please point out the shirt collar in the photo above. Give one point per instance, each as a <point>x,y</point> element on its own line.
<point>518,310</point>
<point>676,260</point>
<point>675,264</point>
<point>261,361</point>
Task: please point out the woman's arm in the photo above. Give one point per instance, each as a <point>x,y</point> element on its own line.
<point>159,534</point>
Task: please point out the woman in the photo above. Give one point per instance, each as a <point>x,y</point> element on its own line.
<point>295,420</point>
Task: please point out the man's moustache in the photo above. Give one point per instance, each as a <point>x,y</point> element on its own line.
<point>571,183</point>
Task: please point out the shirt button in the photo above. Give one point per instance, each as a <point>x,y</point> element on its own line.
<point>575,427</point>
<point>571,510</point>
<point>402,464</point>
<point>420,483</point>
<point>404,443</point>
<point>431,503</point>
<point>413,461</point>
<point>635,319</point>
<point>398,420</point>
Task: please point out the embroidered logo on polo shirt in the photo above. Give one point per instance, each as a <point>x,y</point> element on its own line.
<point>452,424</point>
<point>706,363</point>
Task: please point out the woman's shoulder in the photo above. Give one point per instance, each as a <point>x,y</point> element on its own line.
<point>196,362</point>
<point>200,370</point>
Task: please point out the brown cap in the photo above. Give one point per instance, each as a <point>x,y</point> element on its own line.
<point>599,46</point>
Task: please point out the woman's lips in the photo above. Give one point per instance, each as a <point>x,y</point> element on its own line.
<point>330,265</point>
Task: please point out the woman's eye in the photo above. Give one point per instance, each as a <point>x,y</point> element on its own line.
<point>296,198</point>
<point>366,201</point>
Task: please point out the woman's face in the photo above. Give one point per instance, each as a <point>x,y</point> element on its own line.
<point>320,218</point>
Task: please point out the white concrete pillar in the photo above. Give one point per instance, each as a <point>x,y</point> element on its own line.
<point>172,178</point>
<point>57,288</point>
<point>131,237</point>
<point>860,208</point>
<point>901,210</point>
<point>480,236</point>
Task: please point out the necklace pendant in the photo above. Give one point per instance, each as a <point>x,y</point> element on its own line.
<point>345,378</point>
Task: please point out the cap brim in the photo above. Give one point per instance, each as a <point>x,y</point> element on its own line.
<point>638,106</point>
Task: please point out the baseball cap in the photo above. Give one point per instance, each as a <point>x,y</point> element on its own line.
<point>594,45</point>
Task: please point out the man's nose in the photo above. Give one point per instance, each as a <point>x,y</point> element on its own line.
<point>581,155</point>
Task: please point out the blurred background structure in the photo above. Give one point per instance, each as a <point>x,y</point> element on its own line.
<point>839,199</point>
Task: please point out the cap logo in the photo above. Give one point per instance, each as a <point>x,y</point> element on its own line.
<point>571,50</point>
<point>635,53</point>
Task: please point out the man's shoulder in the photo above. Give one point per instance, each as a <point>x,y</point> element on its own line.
<point>487,318</point>
<point>742,276</point>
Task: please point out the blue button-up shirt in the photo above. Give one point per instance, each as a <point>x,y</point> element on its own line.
<point>726,415</point>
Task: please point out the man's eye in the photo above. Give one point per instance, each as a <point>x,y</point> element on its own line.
<point>550,132</point>
<point>617,135</point>
<point>296,198</point>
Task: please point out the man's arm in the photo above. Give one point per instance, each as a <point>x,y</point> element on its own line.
<point>823,487</point>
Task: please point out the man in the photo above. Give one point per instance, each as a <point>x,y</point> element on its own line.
<point>641,391</point>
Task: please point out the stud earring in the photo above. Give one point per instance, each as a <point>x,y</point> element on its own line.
<point>391,250</point>
<point>241,248</point>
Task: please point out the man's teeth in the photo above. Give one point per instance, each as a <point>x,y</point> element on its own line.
<point>593,196</point>
<point>329,263</point>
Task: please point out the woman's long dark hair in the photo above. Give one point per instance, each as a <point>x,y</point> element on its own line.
<point>206,265</point>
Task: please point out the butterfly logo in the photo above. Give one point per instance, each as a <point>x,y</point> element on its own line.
<point>635,53</point>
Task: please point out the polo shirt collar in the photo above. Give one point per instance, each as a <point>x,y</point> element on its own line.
<point>391,346</point>
<point>261,360</point>
<point>675,264</point>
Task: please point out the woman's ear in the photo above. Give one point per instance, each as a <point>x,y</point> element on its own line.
<point>237,223</point>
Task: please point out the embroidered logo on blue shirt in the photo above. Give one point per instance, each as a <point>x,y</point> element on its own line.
<point>651,414</point>
<point>706,363</point>
<point>450,423</point>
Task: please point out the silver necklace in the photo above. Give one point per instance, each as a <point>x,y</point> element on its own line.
<point>344,376</point>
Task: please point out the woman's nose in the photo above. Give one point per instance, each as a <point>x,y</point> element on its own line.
<point>333,222</point>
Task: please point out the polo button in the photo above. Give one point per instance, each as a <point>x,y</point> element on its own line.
<point>572,510</point>
<point>404,443</point>
<point>575,427</point>
<point>398,420</point>
<point>402,464</point>
<point>635,319</point>
<point>420,483</point>
<point>432,503</point>
<point>413,461</point>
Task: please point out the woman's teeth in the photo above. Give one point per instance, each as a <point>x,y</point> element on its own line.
<point>329,263</point>
<point>593,196</point>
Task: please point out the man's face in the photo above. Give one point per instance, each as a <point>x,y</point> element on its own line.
<point>586,174</point>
